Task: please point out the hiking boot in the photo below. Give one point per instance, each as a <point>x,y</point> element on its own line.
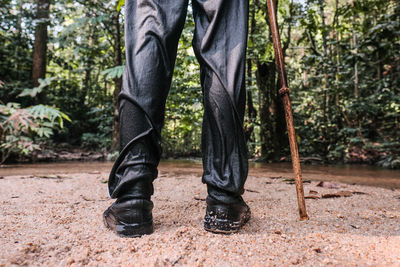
<point>130,217</point>
<point>225,218</point>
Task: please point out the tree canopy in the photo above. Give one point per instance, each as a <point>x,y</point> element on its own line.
<point>64,59</point>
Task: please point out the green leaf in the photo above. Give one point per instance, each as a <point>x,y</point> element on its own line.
<point>115,72</point>
<point>120,4</point>
<point>32,92</point>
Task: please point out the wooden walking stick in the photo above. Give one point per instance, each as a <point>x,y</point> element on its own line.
<point>284,93</point>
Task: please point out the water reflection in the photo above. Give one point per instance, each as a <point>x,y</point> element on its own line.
<point>358,174</point>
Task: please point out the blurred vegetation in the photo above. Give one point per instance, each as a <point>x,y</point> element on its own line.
<point>343,64</point>
<point>24,130</point>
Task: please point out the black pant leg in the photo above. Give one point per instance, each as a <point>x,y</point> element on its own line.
<point>220,45</point>
<point>152,31</point>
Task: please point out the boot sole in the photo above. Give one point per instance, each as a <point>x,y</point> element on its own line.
<point>129,230</point>
<point>224,226</point>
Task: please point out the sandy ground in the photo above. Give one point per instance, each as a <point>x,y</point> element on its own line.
<point>57,221</point>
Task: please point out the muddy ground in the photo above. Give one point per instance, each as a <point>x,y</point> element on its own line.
<point>56,220</point>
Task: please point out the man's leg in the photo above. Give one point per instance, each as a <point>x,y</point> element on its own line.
<point>152,31</point>
<point>220,46</point>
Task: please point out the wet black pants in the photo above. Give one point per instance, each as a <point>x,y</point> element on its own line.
<point>152,31</point>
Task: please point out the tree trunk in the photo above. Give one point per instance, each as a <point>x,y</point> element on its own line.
<point>266,83</point>
<point>117,80</point>
<point>266,86</point>
<point>281,138</point>
<point>325,86</point>
<point>87,84</point>
<point>40,45</point>
<point>355,48</point>
<point>18,48</point>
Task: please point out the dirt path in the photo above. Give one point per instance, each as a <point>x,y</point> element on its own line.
<point>56,220</point>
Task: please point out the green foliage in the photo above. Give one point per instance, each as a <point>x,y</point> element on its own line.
<point>22,130</point>
<point>16,28</point>
<point>342,59</point>
<point>33,92</point>
<point>120,4</point>
<point>100,136</point>
<point>115,72</point>
<point>348,106</point>
<point>182,130</point>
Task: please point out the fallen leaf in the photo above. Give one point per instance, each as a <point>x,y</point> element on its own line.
<point>87,199</point>
<point>55,177</point>
<point>355,226</point>
<point>288,180</point>
<point>200,198</point>
<point>278,232</point>
<point>312,197</point>
<point>313,192</point>
<point>275,177</point>
<point>26,177</point>
<point>329,185</point>
<point>251,190</point>
<point>293,181</point>
<point>49,176</point>
<point>338,194</point>
<point>346,193</point>
<point>359,193</point>
<point>104,181</point>
<point>318,250</point>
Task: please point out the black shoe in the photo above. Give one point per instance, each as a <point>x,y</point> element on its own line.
<point>225,218</point>
<point>130,217</point>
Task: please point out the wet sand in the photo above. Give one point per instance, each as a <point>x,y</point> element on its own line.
<point>56,220</point>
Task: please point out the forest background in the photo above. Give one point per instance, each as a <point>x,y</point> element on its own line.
<point>61,64</point>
